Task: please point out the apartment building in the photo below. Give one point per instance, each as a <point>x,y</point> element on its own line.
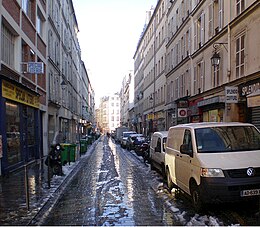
<point>197,89</point>
<point>23,83</point>
<point>45,87</point>
<point>109,113</point>
<point>211,62</point>
<point>64,72</point>
<point>125,101</point>
<point>149,73</point>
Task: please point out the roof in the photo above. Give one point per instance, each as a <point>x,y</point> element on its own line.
<point>211,124</point>
<point>163,133</point>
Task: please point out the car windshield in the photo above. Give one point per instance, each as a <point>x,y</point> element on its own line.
<point>227,139</point>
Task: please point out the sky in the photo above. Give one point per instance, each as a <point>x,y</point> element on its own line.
<point>109,31</point>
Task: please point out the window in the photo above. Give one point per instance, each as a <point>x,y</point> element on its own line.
<point>240,6</point>
<point>199,78</point>
<point>216,75</point>
<point>240,56</point>
<point>220,14</point>
<point>187,140</point>
<point>39,22</point>
<point>27,7</point>
<point>199,32</point>
<point>211,25</point>
<point>7,47</point>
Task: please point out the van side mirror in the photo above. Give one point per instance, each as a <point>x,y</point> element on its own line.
<point>184,149</point>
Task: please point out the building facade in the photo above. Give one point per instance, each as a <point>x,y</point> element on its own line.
<point>149,73</point>
<point>196,89</point>
<point>23,94</point>
<point>108,113</point>
<point>45,88</point>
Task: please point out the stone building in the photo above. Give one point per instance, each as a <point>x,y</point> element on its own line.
<point>211,61</point>
<point>45,87</point>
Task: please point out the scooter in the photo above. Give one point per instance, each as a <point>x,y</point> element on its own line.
<point>54,159</point>
<point>144,151</point>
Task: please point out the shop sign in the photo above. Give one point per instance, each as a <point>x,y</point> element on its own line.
<point>250,88</point>
<point>150,116</point>
<point>213,100</point>
<point>231,94</point>
<point>182,112</point>
<point>182,104</point>
<point>159,115</point>
<point>17,94</point>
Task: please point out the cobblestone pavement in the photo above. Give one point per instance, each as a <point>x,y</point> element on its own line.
<point>111,188</point>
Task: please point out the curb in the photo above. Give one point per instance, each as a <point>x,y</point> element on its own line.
<point>44,211</point>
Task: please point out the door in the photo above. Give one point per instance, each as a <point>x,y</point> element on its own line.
<point>183,164</point>
<point>29,132</point>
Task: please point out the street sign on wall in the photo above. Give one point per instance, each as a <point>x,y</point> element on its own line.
<point>231,94</point>
<point>35,67</point>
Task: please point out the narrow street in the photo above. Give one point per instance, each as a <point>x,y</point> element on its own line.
<point>111,188</point>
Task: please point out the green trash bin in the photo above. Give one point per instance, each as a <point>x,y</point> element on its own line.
<point>68,153</point>
<point>73,150</point>
<point>83,146</point>
<point>65,153</point>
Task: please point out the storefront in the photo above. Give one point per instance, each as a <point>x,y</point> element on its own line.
<point>159,121</point>
<point>20,125</point>
<point>194,112</point>
<point>213,109</point>
<point>251,91</point>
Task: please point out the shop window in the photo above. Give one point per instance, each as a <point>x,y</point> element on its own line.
<point>13,133</point>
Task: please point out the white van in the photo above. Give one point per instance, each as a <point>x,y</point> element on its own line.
<point>214,162</point>
<point>157,151</point>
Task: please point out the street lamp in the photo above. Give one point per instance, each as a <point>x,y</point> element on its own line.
<point>215,59</point>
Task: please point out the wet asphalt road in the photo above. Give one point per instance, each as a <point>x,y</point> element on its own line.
<point>111,188</point>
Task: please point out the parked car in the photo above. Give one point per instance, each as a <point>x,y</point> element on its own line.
<point>124,138</point>
<point>157,151</point>
<point>214,162</point>
<point>134,140</point>
<point>119,133</point>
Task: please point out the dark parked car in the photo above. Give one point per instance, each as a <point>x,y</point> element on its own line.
<point>133,141</point>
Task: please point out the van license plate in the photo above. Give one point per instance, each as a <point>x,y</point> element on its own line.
<point>252,192</point>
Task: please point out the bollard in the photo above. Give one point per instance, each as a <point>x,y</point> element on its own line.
<point>26,185</point>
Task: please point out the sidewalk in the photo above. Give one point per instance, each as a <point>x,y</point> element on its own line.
<point>13,206</point>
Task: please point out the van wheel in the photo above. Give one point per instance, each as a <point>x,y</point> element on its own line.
<point>168,180</point>
<point>196,198</point>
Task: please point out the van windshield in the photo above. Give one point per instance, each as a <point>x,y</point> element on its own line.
<point>227,139</point>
